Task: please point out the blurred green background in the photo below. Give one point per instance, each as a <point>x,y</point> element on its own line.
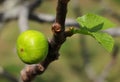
<point>69,66</point>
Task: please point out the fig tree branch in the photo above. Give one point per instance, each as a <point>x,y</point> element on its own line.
<point>58,29</point>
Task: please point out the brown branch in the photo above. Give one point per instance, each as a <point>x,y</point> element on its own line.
<point>30,71</point>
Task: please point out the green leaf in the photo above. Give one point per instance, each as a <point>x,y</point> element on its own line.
<point>81,31</point>
<point>104,39</point>
<point>94,22</point>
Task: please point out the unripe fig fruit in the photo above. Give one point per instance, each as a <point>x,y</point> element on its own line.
<point>32,47</point>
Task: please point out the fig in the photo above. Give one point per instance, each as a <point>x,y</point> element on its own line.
<point>32,46</point>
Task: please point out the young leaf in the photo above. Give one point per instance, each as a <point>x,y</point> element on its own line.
<point>91,25</point>
<point>84,31</point>
<point>94,22</point>
<point>104,39</point>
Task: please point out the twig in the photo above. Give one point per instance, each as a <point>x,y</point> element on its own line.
<point>26,9</point>
<point>47,18</point>
<point>115,32</point>
<point>23,19</point>
<point>30,71</point>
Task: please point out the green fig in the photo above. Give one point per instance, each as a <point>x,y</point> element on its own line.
<point>32,47</point>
